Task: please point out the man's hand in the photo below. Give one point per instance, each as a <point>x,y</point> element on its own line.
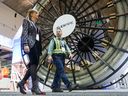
<point>70,56</point>
<point>50,59</point>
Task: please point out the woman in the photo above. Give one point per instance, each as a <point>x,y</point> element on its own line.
<point>31,44</point>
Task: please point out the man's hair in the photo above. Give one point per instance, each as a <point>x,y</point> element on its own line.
<point>58,28</point>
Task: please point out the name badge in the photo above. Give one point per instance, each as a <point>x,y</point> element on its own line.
<point>63,49</point>
<point>37,37</point>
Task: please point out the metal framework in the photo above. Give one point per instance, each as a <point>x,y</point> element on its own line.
<point>99,38</point>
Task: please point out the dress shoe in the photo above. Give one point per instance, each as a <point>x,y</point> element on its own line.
<point>21,86</point>
<point>35,89</point>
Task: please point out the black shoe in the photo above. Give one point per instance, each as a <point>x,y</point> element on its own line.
<point>57,90</point>
<point>21,86</point>
<point>35,89</point>
<point>72,87</point>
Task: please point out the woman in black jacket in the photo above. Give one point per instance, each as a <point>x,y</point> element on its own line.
<point>31,44</point>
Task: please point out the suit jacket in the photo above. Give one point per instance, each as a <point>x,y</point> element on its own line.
<point>29,32</point>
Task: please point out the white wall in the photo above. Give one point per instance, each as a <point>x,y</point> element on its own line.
<point>5,42</point>
<point>9,24</point>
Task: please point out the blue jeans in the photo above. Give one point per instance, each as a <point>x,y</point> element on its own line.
<point>59,62</point>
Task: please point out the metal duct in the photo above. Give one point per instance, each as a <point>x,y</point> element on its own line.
<point>99,41</point>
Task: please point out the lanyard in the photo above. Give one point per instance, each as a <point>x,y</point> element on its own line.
<point>34,26</point>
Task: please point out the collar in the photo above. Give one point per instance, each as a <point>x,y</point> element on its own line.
<point>59,38</point>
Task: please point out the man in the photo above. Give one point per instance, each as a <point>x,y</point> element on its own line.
<point>56,53</point>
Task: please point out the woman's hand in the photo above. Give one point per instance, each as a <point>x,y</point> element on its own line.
<point>50,59</point>
<point>26,49</point>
